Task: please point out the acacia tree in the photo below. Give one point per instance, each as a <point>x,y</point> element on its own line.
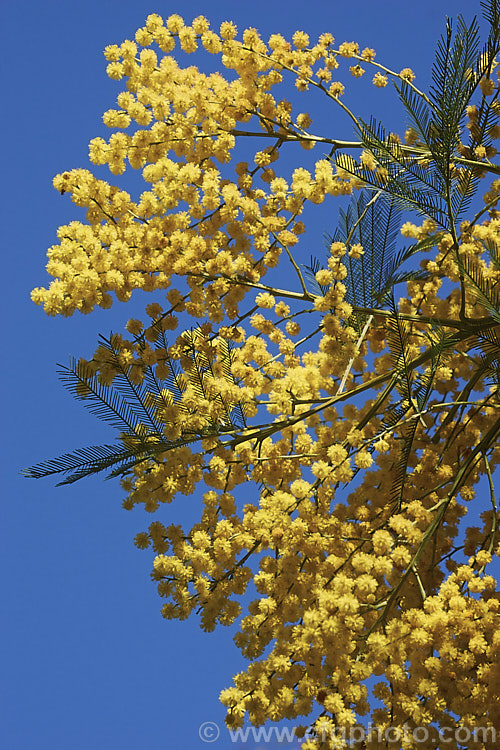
<point>360,422</point>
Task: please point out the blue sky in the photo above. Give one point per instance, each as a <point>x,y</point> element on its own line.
<point>89,662</point>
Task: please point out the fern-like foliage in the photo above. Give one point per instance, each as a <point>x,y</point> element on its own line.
<point>420,391</point>
<point>398,342</point>
<point>136,410</point>
<point>488,343</point>
<point>199,369</point>
<point>374,223</point>
<point>409,180</point>
<point>113,405</point>
<point>453,77</point>
<point>491,12</point>
<point>310,272</point>
<point>94,459</point>
<point>419,178</point>
<point>486,291</point>
<point>394,272</point>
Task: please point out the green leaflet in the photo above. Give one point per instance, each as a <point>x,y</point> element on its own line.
<point>373,222</point>
<point>135,409</point>
<point>419,177</point>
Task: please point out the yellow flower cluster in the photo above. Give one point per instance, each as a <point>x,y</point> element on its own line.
<point>347,584</point>
<point>186,125</point>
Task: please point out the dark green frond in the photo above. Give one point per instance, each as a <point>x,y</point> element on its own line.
<point>491,12</point>
<point>398,161</point>
<point>85,462</point>
<point>174,380</point>
<point>372,222</point>
<point>419,112</point>
<point>101,400</point>
<point>395,414</point>
<point>423,181</point>
<point>404,195</point>
<point>456,58</point>
<point>237,411</point>
<point>401,175</point>
<point>133,394</point>
<point>392,272</point>
<point>310,273</point>
<point>401,468</point>
<point>486,59</point>
<point>464,189</point>
<point>458,69</point>
<point>486,291</point>
<point>488,343</point>
<point>94,459</point>
<point>398,342</point>
<point>134,409</point>
<point>198,365</point>
<point>424,381</point>
<point>492,374</point>
<point>417,400</point>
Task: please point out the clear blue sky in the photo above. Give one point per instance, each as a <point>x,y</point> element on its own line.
<point>88,661</point>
